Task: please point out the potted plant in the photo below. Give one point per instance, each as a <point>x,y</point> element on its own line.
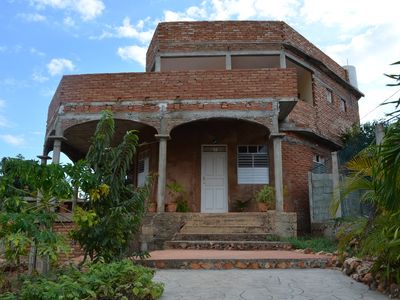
<point>152,207</point>
<point>265,198</point>
<point>178,195</point>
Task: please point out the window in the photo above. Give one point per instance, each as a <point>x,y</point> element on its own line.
<point>318,164</point>
<point>252,164</point>
<point>142,171</point>
<point>329,95</point>
<point>343,105</point>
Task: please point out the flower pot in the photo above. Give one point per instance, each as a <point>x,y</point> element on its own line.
<point>152,207</point>
<point>170,207</point>
<point>263,207</point>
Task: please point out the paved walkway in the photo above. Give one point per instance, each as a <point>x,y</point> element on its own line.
<point>311,284</point>
<point>229,254</point>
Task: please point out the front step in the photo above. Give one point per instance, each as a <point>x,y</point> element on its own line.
<point>215,259</point>
<point>228,245</point>
<point>215,229</point>
<point>222,237</point>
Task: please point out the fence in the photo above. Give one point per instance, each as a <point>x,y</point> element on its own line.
<point>321,195</point>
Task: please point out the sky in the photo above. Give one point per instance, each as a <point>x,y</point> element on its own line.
<point>40,40</point>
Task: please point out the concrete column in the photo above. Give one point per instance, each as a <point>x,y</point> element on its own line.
<point>56,151</point>
<point>43,159</point>
<point>278,173</point>
<point>336,182</point>
<point>379,133</point>
<point>157,67</point>
<point>162,171</point>
<point>282,59</point>
<point>228,61</point>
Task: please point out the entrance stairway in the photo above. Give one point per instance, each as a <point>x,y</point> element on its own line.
<point>233,231</point>
<point>227,241</point>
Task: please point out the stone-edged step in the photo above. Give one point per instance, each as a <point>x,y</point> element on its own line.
<point>222,237</point>
<point>228,245</point>
<point>219,259</point>
<point>231,229</point>
<point>225,264</point>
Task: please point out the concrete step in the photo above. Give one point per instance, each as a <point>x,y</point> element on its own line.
<point>223,237</point>
<point>228,245</point>
<point>213,229</point>
<point>220,259</point>
<point>229,222</point>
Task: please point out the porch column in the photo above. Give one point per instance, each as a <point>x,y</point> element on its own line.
<point>56,148</point>
<point>162,171</point>
<point>277,144</point>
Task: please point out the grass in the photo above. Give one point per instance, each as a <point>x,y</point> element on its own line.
<point>315,243</point>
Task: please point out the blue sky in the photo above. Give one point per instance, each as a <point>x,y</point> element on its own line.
<point>42,39</point>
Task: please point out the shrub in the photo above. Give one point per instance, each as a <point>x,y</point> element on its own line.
<point>118,280</point>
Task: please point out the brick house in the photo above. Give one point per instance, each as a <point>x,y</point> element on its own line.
<point>223,109</point>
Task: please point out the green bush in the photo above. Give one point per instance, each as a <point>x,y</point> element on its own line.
<point>119,280</point>
<point>316,244</point>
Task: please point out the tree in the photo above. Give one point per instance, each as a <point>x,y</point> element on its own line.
<point>29,195</point>
<point>107,223</point>
<point>376,171</point>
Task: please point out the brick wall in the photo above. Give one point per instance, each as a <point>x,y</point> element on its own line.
<point>297,161</point>
<point>65,228</point>
<point>232,35</point>
<point>235,84</point>
<point>322,117</point>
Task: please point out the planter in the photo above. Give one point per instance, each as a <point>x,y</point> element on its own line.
<point>152,207</point>
<point>263,207</point>
<point>170,207</point>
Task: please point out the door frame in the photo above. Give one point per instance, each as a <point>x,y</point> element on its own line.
<point>202,194</point>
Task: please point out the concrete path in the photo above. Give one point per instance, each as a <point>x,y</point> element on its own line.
<point>315,284</point>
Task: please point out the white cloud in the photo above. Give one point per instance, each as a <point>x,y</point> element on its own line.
<point>87,9</point>
<point>350,15</point>
<point>33,50</point>
<point>133,53</point>
<point>127,30</point>
<point>3,48</point>
<point>12,139</point>
<point>32,17</point>
<point>68,21</point>
<point>58,66</point>
<point>4,123</point>
<point>236,9</point>
<point>39,77</point>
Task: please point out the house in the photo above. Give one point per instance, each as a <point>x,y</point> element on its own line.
<point>223,108</point>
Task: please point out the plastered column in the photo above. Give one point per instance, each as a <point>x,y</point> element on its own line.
<point>278,173</point>
<point>56,151</point>
<point>335,182</point>
<point>162,171</point>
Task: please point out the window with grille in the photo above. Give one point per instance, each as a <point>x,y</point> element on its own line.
<point>252,164</point>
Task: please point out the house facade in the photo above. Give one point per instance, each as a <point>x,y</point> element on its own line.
<point>223,109</point>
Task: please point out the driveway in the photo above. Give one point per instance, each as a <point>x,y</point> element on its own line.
<point>315,284</point>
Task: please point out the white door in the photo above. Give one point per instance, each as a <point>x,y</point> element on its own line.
<point>214,179</point>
